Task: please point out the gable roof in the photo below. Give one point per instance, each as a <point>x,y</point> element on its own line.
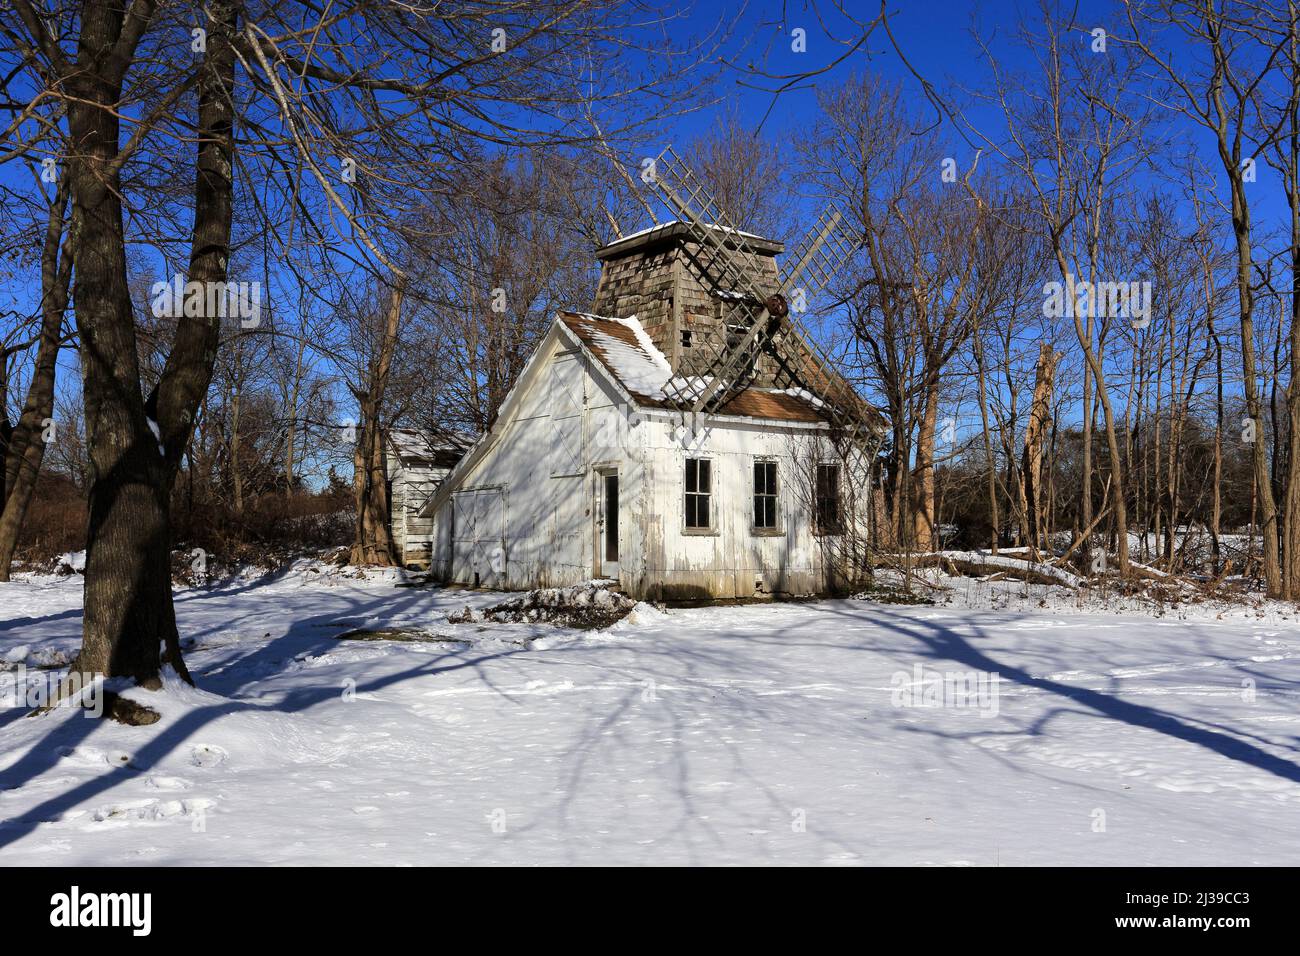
<point>632,360</point>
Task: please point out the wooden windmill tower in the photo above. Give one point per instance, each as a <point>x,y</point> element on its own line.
<point>715,302</point>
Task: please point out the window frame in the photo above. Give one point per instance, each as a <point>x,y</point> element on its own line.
<point>707,496</point>
<point>778,513</point>
<point>819,526</point>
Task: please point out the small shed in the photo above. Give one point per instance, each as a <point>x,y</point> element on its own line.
<point>417,463</point>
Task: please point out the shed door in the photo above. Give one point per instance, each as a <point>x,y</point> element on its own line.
<point>478,540</point>
<point>607,526</point>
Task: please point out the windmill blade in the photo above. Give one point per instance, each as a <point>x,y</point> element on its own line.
<point>813,264</point>
<point>725,261</point>
<point>722,244</point>
<point>727,363</point>
<point>694,393</point>
<point>819,256</point>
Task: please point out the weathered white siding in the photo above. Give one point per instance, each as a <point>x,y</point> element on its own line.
<point>541,465</point>
<point>732,558</point>
<point>543,469</point>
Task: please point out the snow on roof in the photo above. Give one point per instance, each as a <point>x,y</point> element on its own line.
<point>804,394</point>
<point>639,365</point>
<point>680,229</point>
<point>683,222</point>
<point>412,443</point>
<point>630,355</point>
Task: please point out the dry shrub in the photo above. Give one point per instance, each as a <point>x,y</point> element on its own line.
<point>273,528</point>
<point>56,522</point>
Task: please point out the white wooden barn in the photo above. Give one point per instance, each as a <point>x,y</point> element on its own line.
<point>416,464</point>
<point>589,472</point>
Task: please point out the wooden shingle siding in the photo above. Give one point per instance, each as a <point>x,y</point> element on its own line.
<point>663,287</point>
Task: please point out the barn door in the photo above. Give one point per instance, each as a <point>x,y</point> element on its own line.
<point>462,537</point>
<point>478,542</point>
<point>489,538</point>
<point>567,399</point>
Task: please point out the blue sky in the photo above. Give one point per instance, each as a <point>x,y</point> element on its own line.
<point>934,35</point>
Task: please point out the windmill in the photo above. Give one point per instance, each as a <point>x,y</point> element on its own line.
<point>760,317</point>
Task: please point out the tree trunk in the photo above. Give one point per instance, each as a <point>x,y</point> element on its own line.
<point>128,610</point>
<point>1093,361</point>
<point>925,529</point>
<point>134,456</point>
<point>373,541</point>
<point>995,519</point>
<point>1216,512</point>
<point>1229,149</point>
<point>291,432</point>
<point>1040,413</point>
<point>25,448</point>
<point>1291,181</point>
<point>1085,464</point>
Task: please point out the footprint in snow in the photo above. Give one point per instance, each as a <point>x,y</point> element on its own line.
<point>208,755</point>
<point>93,756</point>
<point>133,811</point>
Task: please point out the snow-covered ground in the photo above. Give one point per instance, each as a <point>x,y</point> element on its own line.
<point>764,734</point>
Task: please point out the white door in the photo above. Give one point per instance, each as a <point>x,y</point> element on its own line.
<point>607,530</point>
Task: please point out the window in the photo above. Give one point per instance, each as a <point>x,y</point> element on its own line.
<point>686,338</point>
<point>765,494</point>
<point>828,499</point>
<point>699,491</point>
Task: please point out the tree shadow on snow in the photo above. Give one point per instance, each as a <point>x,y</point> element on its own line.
<point>305,637</point>
<point>941,643</point>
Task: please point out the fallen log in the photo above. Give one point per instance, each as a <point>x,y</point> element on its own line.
<point>985,562</point>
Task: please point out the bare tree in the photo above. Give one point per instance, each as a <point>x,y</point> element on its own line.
<point>351,114</point>
<point>22,446</point>
<point>1073,133</point>
<point>1220,98</point>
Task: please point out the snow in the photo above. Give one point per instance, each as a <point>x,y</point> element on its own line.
<point>804,395</point>
<point>643,369</point>
<point>991,560</point>
<point>729,735</point>
<point>74,560</point>
<point>675,222</point>
<point>412,443</point>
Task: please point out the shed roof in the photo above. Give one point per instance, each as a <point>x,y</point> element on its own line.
<point>413,445</point>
